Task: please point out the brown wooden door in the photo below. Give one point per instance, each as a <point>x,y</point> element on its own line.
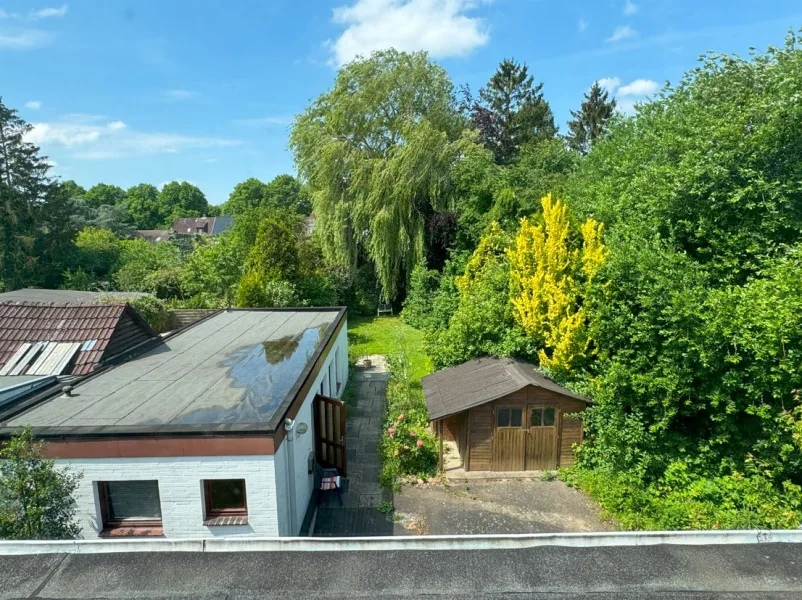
<point>509,440</point>
<point>330,433</point>
<point>541,442</point>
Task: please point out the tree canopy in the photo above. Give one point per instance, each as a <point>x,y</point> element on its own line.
<point>589,123</point>
<point>376,151</point>
<point>511,111</point>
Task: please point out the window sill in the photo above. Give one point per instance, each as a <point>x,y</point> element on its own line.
<point>226,521</point>
<point>116,532</point>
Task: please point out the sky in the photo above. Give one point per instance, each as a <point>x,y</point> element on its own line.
<point>205,91</point>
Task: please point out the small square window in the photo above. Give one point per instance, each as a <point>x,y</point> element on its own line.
<point>225,497</point>
<point>130,504</point>
<point>503,417</point>
<point>516,417</point>
<point>536,419</point>
<point>548,417</point>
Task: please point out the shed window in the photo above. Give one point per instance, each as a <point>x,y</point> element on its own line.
<point>541,417</point>
<point>130,503</point>
<point>509,417</point>
<point>225,497</point>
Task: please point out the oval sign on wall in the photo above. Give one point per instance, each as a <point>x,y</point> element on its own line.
<point>302,428</point>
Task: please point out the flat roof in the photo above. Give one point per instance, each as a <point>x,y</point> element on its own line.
<point>237,370</point>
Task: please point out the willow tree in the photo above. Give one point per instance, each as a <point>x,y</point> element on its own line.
<point>376,152</point>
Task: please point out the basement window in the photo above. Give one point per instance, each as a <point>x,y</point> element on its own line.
<point>226,502</point>
<point>130,508</point>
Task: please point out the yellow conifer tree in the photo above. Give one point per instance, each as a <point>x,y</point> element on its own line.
<point>548,278</point>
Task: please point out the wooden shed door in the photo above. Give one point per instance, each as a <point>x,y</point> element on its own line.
<point>330,433</point>
<point>541,443</point>
<point>509,443</point>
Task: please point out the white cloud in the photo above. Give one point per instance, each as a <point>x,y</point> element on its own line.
<point>88,137</point>
<point>440,27</point>
<point>51,163</point>
<point>35,15</point>
<point>610,84</point>
<point>263,121</point>
<point>210,160</point>
<point>583,25</point>
<point>25,39</point>
<point>33,104</point>
<point>46,13</point>
<point>639,87</point>
<point>179,94</point>
<point>622,33</point>
<point>630,8</point>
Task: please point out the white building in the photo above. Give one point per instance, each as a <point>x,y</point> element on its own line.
<point>211,432</point>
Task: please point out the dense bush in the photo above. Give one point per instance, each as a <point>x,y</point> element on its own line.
<point>680,500</point>
<point>153,311</point>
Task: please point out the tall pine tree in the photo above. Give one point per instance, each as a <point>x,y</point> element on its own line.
<point>590,122</point>
<point>510,111</point>
<point>35,228</point>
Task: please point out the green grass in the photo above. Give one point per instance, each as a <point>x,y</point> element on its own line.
<point>382,335</point>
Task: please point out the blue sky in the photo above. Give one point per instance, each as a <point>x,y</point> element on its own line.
<point>204,91</point>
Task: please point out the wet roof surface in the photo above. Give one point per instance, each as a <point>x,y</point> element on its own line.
<point>234,368</point>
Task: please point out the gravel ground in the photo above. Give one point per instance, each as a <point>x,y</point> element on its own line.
<point>493,507</point>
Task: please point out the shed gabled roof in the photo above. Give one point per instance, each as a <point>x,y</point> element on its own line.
<point>72,338</point>
<point>483,380</point>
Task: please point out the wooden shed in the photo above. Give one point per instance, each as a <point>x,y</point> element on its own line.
<point>504,415</point>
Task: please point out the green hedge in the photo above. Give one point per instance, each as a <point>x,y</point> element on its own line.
<point>680,501</point>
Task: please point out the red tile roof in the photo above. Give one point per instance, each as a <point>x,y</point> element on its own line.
<point>114,327</point>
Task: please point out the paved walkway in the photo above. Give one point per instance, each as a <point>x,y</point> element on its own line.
<point>359,515</point>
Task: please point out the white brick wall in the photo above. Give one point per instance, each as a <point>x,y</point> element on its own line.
<point>180,490</point>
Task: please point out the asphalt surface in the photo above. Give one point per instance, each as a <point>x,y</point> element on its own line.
<point>665,572</point>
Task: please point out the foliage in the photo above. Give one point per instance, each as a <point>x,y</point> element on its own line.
<point>696,421</point>
<point>274,254</point>
<point>182,199</point>
<point>97,252</point>
<point>256,291</point>
<point>103,194</point>
<point>152,310</point>
<point>511,111</point>
<point>376,152</point>
<point>711,166</point>
<point>144,208</point>
<point>590,122</point>
<point>282,193</point>
<point>214,268</point>
<point>685,501</point>
<point>144,264</point>
<point>36,231</point>
<point>549,276</point>
<point>407,446</point>
<point>481,322</point>
<point>36,499</point>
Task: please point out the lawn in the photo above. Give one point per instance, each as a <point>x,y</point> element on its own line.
<point>383,335</point>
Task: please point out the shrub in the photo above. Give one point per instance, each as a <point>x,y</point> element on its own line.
<point>407,446</point>
<point>153,311</point>
<point>681,500</point>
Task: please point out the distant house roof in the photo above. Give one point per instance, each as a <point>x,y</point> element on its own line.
<point>483,380</point>
<point>57,338</point>
<point>66,296</point>
<point>238,370</point>
<point>202,225</point>
<point>152,235</point>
